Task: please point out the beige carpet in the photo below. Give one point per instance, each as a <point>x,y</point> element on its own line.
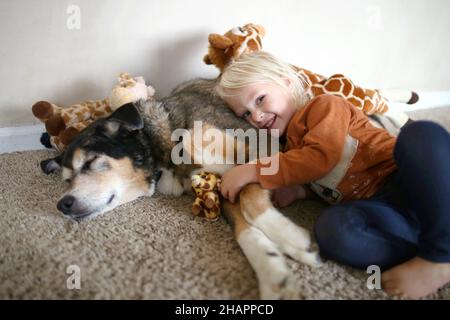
<point>152,248</point>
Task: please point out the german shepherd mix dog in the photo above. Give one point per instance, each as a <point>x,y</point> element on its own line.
<point>128,154</point>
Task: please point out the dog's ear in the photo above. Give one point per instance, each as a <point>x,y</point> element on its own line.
<point>52,164</point>
<point>126,117</point>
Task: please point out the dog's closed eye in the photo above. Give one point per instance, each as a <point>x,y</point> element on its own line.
<point>97,163</point>
<point>87,165</point>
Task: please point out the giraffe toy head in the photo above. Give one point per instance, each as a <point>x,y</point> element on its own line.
<point>225,48</point>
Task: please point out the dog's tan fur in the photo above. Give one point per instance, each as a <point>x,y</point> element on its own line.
<point>255,200</point>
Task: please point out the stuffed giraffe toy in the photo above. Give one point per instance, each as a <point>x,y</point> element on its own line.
<point>207,202</point>
<point>64,124</point>
<point>223,49</point>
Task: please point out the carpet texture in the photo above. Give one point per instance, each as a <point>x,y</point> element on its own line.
<point>152,248</point>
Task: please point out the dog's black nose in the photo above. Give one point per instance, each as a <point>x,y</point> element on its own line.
<point>65,204</point>
<point>158,175</point>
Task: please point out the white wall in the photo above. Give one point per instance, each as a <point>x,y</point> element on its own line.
<point>379,43</point>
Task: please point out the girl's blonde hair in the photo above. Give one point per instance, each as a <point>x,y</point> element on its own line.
<point>262,67</point>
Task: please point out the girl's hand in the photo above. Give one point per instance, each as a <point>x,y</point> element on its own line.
<point>235,179</point>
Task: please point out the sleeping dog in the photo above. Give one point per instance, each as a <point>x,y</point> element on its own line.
<point>129,154</point>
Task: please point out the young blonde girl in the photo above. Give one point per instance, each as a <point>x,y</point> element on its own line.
<point>390,196</point>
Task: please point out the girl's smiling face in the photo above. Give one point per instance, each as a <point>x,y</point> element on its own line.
<point>264,105</point>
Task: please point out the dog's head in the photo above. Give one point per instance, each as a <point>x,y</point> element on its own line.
<point>105,166</point>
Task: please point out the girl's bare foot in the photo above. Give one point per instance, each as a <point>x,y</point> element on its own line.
<point>284,196</point>
<point>415,278</point>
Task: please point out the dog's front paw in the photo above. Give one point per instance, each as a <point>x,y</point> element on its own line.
<point>169,185</point>
<point>277,287</point>
<point>274,276</point>
<point>49,166</point>
<point>310,258</point>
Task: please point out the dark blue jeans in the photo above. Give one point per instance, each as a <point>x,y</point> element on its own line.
<point>409,216</point>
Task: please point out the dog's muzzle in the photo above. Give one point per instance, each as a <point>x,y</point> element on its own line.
<point>70,206</point>
<point>67,204</point>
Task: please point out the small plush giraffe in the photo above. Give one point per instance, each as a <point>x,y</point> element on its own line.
<point>207,202</point>
<point>223,49</point>
<point>64,124</point>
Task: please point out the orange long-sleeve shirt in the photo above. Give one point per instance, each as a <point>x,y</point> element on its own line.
<point>332,146</point>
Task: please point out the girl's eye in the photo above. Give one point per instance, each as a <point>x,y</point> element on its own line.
<point>245,114</point>
<point>259,100</point>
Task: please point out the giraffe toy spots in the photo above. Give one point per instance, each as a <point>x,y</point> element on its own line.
<point>223,49</point>
<point>368,100</point>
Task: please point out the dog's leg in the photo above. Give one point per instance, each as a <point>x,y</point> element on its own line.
<point>292,239</point>
<point>169,184</point>
<point>51,165</point>
<point>268,262</point>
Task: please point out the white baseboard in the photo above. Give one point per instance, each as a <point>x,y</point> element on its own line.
<point>27,137</point>
<point>21,138</point>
